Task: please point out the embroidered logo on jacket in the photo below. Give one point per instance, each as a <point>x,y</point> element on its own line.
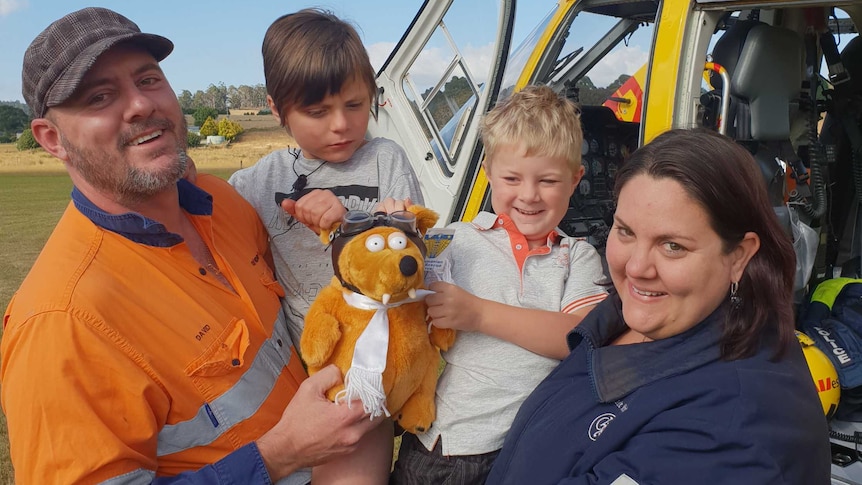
<point>599,424</point>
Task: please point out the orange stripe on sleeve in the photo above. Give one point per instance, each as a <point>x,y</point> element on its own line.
<point>582,302</point>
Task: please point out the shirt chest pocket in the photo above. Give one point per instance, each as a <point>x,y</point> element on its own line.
<point>228,382</point>
<point>225,354</point>
<point>235,350</point>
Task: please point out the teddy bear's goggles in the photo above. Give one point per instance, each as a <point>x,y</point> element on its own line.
<point>355,222</point>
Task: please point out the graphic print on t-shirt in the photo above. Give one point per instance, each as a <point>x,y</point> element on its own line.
<point>353,197</point>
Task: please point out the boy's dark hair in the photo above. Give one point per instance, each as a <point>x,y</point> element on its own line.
<point>310,54</point>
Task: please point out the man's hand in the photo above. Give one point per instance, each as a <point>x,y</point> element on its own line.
<point>312,429</point>
<point>390,205</point>
<point>318,209</point>
<point>452,307</point>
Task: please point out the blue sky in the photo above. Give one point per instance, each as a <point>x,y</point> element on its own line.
<point>218,40</point>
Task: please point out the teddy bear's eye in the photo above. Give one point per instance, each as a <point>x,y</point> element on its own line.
<point>397,240</point>
<point>375,243</point>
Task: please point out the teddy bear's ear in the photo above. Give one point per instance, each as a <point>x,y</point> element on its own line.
<point>425,217</point>
<point>327,235</point>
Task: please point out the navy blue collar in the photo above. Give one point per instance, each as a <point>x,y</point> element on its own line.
<point>618,370</point>
<point>143,230</point>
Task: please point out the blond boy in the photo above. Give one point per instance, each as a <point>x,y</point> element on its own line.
<point>520,285</point>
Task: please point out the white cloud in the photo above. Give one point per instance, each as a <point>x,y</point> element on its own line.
<point>624,60</point>
<point>429,67</point>
<point>378,53</point>
<point>9,6</point>
<point>479,60</point>
<point>433,61</point>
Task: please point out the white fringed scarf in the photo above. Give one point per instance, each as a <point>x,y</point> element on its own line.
<point>364,379</point>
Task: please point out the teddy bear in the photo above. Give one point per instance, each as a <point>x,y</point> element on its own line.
<point>370,321</point>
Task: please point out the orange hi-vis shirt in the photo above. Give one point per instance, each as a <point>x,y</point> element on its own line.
<point>123,359</point>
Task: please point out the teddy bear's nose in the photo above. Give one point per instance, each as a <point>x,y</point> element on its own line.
<point>408,266</point>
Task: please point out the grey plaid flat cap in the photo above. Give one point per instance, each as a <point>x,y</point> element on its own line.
<point>61,55</point>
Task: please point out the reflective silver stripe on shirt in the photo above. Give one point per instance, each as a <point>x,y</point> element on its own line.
<point>237,404</point>
<point>139,476</point>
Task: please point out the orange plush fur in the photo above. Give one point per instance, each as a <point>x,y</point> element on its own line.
<point>332,326</point>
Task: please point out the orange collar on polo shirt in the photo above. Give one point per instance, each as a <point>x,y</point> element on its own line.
<point>520,245</point>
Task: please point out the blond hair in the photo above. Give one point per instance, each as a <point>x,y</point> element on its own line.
<point>537,120</point>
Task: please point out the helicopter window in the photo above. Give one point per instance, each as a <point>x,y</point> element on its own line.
<point>519,57</point>
<point>725,47</point>
<point>608,53</point>
<point>600,61</point>
<point>810,179</point>
<point>444,82</point>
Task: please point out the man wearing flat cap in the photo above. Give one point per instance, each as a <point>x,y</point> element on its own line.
<point>147,341</point>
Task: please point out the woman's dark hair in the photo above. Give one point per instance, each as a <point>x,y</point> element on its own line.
<point>724,179</point>
<point>310,54</point>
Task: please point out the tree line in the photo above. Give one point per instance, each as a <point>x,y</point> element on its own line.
<point>215,100</point>
<point>457,90</point>
<point>220,97</point>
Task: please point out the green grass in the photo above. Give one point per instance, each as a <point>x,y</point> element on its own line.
<point>30,206</point>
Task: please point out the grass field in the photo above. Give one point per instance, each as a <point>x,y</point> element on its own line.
<point>34,192</point>
<point>30,205</point>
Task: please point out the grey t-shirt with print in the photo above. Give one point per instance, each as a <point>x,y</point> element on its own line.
<point>377,170</point>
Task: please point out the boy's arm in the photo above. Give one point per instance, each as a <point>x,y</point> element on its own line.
<point>540,331</point>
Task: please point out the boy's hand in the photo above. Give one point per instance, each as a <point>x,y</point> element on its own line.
<point>318,209</point>
<point>390,205</point>
<point>452,307</point>
<point>313,429</point>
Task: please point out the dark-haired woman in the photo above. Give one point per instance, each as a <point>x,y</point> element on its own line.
<point>690,372</point>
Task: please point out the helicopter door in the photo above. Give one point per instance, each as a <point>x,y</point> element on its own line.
<point>442,76</point>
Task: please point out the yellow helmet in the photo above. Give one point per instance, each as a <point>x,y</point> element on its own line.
<point>823,372</point>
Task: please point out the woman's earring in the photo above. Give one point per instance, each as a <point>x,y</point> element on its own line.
<point>735,299</point>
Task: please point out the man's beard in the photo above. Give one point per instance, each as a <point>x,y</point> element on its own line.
<point>112,174</point>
